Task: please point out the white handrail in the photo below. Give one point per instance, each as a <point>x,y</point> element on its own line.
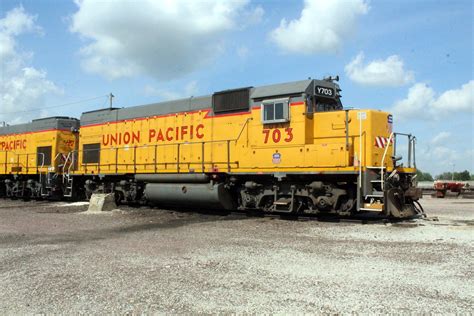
<point>56,157</point>
<point>42,155</point>
<point>72,161</point>
<point>382,165</point>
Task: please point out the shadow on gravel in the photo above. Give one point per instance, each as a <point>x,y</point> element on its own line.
<point>16,262</point>
<point>22,204</point>
<point>90,235</point>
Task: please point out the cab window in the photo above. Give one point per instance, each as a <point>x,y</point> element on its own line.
<point>91,153</point>
<point>275,111</point>
<point>43,156</point>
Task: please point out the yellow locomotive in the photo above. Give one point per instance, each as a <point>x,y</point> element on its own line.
<point>287,148</point>
<point>33,156</point>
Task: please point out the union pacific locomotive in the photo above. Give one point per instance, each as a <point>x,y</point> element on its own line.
<point>287,148</point>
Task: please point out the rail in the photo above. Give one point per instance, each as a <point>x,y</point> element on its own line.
<point>177,163</point>
<point>69,163</point>
<point>382,164</point>
<point>113,165</point>
<point>411,158</point>
<point>18,162</point>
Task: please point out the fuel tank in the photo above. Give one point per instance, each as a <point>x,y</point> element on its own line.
<point>196,195</point>
<point>173,178</point>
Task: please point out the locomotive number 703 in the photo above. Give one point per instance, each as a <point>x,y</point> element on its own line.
<point>278,135</point>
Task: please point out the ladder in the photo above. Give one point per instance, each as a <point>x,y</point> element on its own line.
<point>68,183</point>
<point>66,174</point>
<point>46,182</point>
<point>375,198</point>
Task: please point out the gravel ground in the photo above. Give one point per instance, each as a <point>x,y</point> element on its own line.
<point>58,259</point>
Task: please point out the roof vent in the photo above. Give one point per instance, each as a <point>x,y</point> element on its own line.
<point>236,100</point>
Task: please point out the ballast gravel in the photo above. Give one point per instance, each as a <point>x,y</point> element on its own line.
<point>57,260</point>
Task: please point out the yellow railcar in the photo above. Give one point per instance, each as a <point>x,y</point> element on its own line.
<point>33,155</point>
<point>284,148</point>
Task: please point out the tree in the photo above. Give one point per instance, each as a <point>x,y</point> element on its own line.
<point>458,176</point>
<point>423,176</point>
<point>463,176</point>
<point>427,176</point>
<point>444,176</point>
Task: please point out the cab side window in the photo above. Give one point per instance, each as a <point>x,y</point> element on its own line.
<point>275,111</point>
<point>43,156</point>
<point>91,153</point>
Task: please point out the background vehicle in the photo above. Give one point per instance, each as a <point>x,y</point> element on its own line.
<point>33,157</point>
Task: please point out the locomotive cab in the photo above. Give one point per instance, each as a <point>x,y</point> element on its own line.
<point>385,182</point>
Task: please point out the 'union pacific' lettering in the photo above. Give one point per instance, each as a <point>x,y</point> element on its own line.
<point>13,145</point>
<point>186,132</point>
<point>165,134</point>
<point>121,138</point>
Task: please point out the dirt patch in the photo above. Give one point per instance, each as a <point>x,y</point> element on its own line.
<point>144,260</point>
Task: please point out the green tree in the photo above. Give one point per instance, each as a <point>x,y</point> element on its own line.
<point>427,176</point>
<point>423,176</point>
<point>463,176</point>
<point>444,176</point>
<point>458,176</point>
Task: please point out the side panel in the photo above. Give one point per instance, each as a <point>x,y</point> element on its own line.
<point>238,142</point>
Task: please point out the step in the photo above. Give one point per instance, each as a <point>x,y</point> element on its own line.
<point>370,209</point>
<point>282,203</point>
<point>377,206</point>
<point>374,195</point>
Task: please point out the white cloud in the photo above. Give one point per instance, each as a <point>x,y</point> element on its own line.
<point>437,158</point>
<point>163,39</point>
<point>443,159</point>
<point>243,52</point>
<point>15,22</point>
<point>22,86</point>
<point>253,16</point>
<point>323,26</point>
<point>422,102</point>
<point>191,89</point>
<point>389,72</point>
<point>440,138</point>
<point>444,155</point>
<point>418,100</point>
<point>456,100</point>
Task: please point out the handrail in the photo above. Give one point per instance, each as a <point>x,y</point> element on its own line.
<point>65,162</point>
<point>71,153</point>
<point>411,154</point>
<point>411,148</point>
<point>42,164</point>
<point>242,129</point>
<point>25,154</point>
<point>177,163</point>
<point>56,157</point>
<point>382,164</point>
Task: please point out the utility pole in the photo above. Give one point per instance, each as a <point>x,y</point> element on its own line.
<point>452,174</point>
<point>111,96</point>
